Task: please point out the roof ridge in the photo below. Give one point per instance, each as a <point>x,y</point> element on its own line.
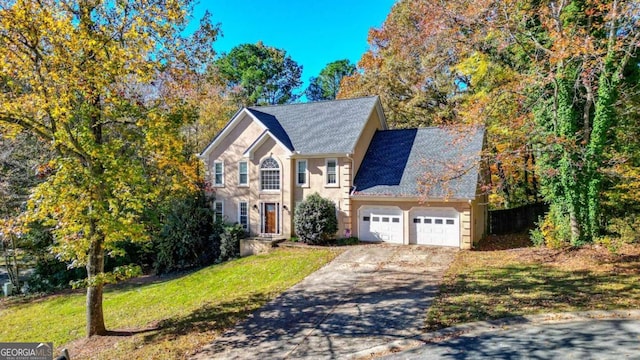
<point>256,107</point>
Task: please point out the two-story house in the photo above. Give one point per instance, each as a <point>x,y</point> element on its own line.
<point>267,159</point>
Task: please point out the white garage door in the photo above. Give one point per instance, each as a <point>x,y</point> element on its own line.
<point>436,226</point>
<point>380,224</point>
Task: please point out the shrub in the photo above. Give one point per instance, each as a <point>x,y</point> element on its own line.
<point>553,230</point>
<point>315,219</point>
<point>621,231</point>
<point>230,241</point>
<point>185,239</point>
<point>50,274</point>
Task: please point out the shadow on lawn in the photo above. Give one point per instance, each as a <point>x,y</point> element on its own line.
<point>211,317</point>
<point>524,289</point>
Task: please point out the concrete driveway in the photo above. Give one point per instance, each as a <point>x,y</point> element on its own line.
<point>368,296</point>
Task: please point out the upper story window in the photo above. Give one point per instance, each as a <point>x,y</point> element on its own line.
<point>218,173</point>
<point>331,175</point>
<point>301,172</point>
<point>243,173</point>
<point>269,174</point>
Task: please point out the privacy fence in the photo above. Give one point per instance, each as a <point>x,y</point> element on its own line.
<point>515,220</point>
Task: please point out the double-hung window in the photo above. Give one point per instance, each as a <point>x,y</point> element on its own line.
<point>243,215</point>
<point>218,173</point>
<point>243,173</point>
<point>218,210</point>
<point>331,175</point>
<point>301,173</point>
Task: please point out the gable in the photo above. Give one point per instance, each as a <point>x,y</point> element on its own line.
<point>241,133</point>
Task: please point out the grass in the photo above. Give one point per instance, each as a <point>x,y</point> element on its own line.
<point>498,283</point>
<point>167,319</point>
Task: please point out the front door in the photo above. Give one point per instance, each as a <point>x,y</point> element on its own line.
<point>270,218</point>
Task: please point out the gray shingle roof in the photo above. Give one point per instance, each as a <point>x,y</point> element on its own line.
<point>325,127</point>
<point>397,159</point>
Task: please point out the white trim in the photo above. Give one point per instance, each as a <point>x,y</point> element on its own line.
<point>239,173</point>
<point>215,213</point>
<point>326,173</point>
<point>215,184</point>
<point>248,153</point>
<point>306,173</point>
<point>240,213</point>
<point>280,169</point>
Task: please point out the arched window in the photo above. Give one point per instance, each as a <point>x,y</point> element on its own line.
<point>269,174</point>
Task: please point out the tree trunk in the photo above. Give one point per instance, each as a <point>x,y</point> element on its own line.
<point>95,268</point>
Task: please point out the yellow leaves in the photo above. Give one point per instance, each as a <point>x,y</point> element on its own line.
<point>475,66</point>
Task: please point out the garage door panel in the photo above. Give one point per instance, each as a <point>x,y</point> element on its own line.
<point>381,224</point>
<point>436,226</point>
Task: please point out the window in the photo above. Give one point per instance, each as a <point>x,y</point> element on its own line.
<point>427,221</point>
<point>243,215</point>
<point>439,221</point>
<point>332,172</point>
<point>366,218</point>
<point>218,210</point>
<point>218,173</point>
<point>243,173</point>
<point>395,220</point>
<point>416,220</point>
<point>269,175</point>
<point>449,222</point>
<point>385,219</point>
<point>375,218</point>
<point>301,172</point>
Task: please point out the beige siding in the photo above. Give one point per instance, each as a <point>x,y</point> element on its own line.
<point>479,208</point>
<point>317,183</point>
<point>230,152</point>
<point>363,142</point>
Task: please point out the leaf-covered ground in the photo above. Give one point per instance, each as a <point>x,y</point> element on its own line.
<point>168,319</point>
<point>507,277</point>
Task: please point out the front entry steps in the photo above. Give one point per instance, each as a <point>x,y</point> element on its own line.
<point>258,245</point>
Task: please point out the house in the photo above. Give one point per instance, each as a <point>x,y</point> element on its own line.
<point>267,159</point>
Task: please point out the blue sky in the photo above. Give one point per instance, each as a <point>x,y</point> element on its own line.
<point>313,33</point>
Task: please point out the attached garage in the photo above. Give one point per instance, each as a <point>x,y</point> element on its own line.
<point>381,224</point>
<point>435,226</point>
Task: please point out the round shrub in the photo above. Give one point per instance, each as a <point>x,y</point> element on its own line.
<point>315,219</point>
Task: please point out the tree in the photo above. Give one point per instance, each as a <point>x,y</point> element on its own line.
<point>585,53</point>
<point>79,75</point>
<point>445,64</point>
<point>259,74</point>
<point>327,84</point>
<point>315,219</point>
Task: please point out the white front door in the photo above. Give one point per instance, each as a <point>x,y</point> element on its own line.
<point>436,226</point>
<point>380,224</point>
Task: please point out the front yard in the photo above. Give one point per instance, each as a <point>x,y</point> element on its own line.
<point>167,319</point>
<point>490,283</point>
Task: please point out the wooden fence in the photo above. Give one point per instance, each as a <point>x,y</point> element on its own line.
<point>515,220</point>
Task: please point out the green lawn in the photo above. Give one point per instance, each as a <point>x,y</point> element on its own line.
<point>184,312</point>
<point>484,285</point>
